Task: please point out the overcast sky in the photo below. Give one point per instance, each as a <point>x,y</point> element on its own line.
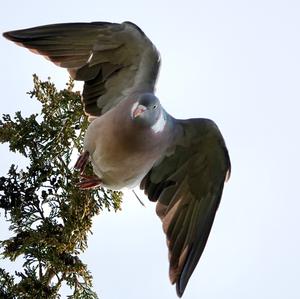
<point>236,62</point>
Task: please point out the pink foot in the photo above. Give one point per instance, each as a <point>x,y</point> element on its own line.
<point>82,161</point>
<point>89,182</point>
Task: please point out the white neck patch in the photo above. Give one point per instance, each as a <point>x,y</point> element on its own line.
<point>160,123</point>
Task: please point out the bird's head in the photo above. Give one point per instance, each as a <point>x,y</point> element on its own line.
<point>146,111</point>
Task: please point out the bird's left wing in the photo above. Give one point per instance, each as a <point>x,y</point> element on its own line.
<point>187,185</point>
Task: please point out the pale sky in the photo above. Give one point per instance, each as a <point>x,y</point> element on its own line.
<point>236,62</point>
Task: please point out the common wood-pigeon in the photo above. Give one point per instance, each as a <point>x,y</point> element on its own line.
<point>180,164</point>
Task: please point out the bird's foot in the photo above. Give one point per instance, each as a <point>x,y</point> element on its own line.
<point>88,182</point>
<point>82,161</point>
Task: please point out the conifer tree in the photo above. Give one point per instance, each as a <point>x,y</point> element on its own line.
<point>50,218</point>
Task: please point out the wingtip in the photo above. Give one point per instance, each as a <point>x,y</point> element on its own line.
<point>182,281</point>
<point>10,36</point>
<point>180,286</point>
<point>179,289</point>
<point>6,35</point>
<point>18,36</point>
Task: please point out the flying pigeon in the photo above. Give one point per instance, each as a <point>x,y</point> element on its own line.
<point>180,164</point>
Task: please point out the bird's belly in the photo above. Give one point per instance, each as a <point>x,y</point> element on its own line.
<point>118,170</point>
<point>116,161</point>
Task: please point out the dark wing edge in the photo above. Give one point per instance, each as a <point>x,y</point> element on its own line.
<point>114,60</point>
<point>187,185</point>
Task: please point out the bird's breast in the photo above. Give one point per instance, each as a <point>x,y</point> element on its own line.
<point>121,154</point>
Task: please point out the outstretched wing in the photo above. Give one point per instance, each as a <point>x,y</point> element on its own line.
<point>114,60</point>
<point>187,185</point>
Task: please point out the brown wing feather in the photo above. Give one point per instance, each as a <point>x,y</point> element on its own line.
<point>187,185</point>
<point>114,60</point>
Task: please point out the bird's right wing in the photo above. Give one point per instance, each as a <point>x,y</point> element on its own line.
<point>114,60</point>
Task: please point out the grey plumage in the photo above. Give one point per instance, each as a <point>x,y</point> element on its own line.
<point>114,60</point>
<point>180,164</point>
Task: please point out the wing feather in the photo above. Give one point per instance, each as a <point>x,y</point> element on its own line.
<point>114,60</point>
<point>187,185</point>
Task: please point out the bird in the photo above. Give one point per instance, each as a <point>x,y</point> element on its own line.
<point>131,140</point>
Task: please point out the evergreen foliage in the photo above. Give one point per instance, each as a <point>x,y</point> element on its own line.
<point>50,218</point>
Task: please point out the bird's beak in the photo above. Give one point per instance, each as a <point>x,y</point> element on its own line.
<point>140,109</point>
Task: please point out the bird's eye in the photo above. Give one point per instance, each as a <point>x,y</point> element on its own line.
<point>154,106</point>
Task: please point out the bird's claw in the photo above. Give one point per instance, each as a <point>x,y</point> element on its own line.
<point>82,161</point>
<point>89,182</point>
